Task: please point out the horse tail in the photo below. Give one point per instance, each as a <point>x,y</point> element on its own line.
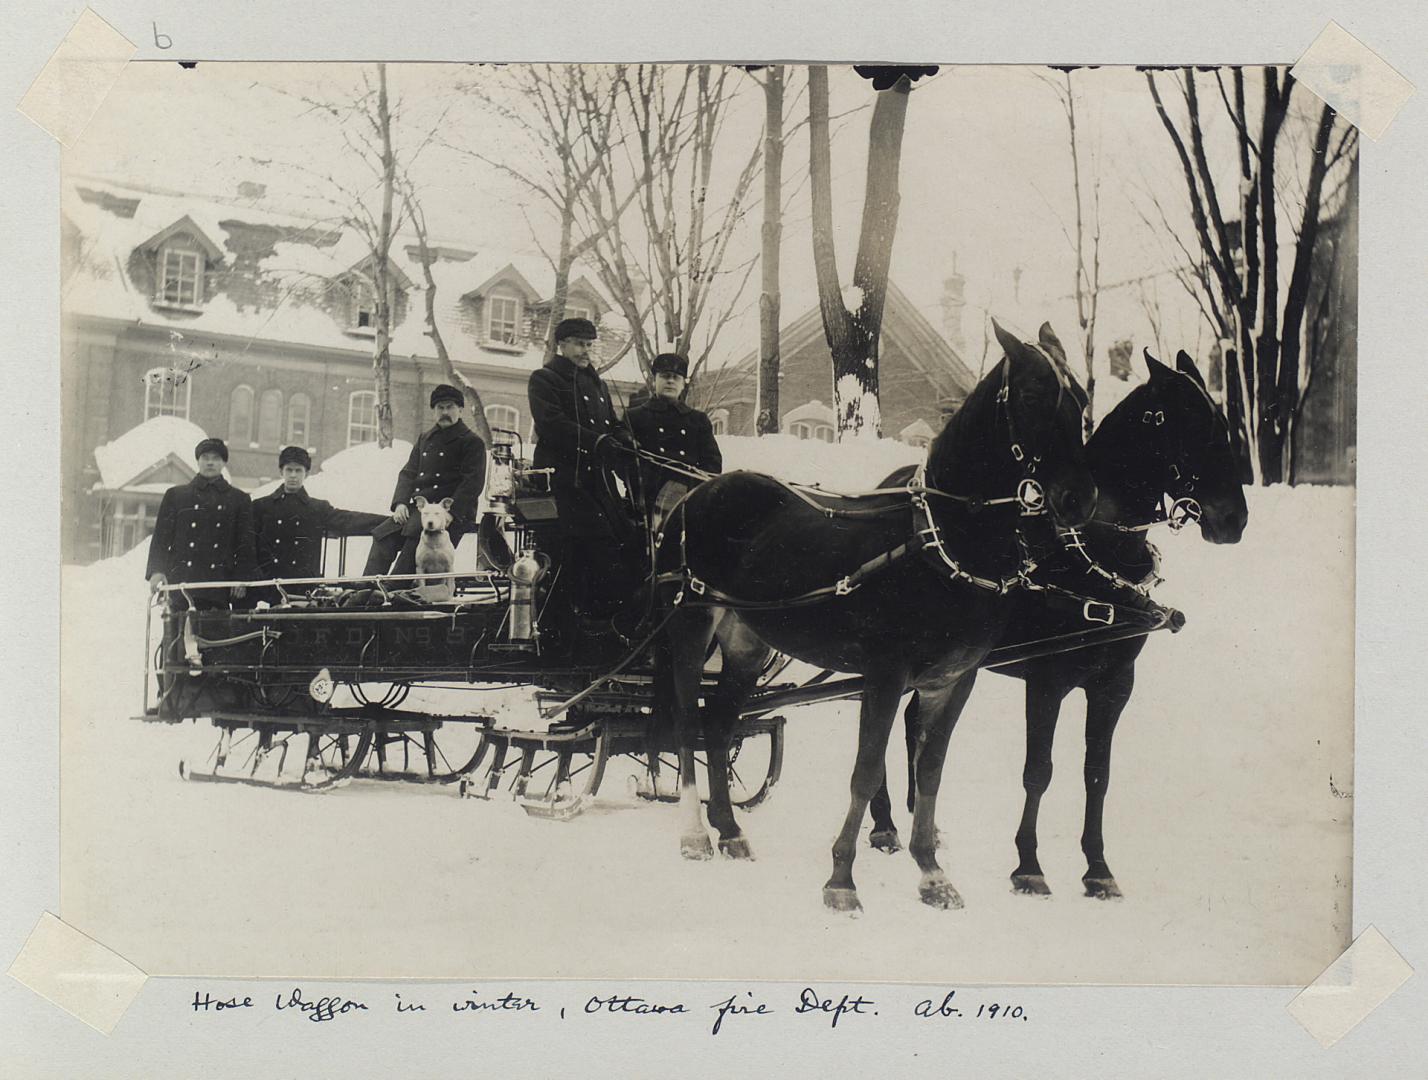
<point>912,728</point>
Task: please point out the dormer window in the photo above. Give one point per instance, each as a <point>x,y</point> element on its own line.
<point>364,306</point>
<point>180,276</point>
<point>579,311</point>
<point>503,319</point>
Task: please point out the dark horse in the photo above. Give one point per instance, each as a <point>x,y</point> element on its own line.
<point>1166,438</point>
<point>908,589</point>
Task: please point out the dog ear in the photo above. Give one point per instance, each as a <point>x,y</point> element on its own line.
<point>446,504</point>
<point>420,502</point>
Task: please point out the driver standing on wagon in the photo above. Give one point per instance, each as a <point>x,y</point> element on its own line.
<point>579,436</point>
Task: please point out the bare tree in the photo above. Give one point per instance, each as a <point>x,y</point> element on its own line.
<point>414,210</point>
<point>853,335</point>
<point>367,206</point>
<point>1245,267</point>
<point>658,235</point>
<point>767,415</point>
<point>1087,235</point>
<point>564,115</point>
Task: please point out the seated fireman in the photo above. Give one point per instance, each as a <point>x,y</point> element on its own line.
<point>579,436</point>
<point>447,462</point>
<point>290,525</point>
<point>204,532</point>
<point>667,426</point>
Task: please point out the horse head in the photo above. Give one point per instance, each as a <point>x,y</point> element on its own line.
<point>1019,433</point>
<point>1169,438</point>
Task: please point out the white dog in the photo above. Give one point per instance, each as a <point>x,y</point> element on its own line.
<point>435,554</point>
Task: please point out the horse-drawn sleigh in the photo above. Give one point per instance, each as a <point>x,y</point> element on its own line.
<point>914,587</point>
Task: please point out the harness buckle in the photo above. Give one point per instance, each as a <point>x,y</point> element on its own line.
<point>1017,453</point>
<point>1092,611</point>
<point>844,586</point>
<point>696,586</point>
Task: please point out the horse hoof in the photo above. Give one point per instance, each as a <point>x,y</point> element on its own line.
<point>737,848</point>
<point>1030,885</point>
<point>885,840</point>
<point>696,847</point>
<point>941,895</point>
<point>841,898</point>
<point>1102,888</point>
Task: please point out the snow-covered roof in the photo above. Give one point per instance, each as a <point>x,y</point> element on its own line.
<point>143,447</point>
<point>272,271</point>
<point>810,410</point>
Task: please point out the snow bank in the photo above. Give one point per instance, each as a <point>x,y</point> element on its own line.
<point>146,445</point>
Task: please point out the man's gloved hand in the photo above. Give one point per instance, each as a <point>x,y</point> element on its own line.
<point>614,445</point>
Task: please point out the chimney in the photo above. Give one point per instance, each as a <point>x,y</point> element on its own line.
<point>954,302</point>
<point>249,189</point>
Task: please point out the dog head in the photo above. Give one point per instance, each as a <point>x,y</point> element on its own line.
<point>435,517</point>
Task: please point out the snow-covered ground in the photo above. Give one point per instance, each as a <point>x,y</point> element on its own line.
<point>1228,823</point>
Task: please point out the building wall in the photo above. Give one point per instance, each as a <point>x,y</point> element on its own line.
<point>103,396</point>
<point>806,374</point>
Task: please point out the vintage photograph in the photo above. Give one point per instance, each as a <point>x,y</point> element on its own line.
<point>655,521</point>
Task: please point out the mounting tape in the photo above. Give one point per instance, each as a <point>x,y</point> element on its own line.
<point>1359,981</point>
<point>75,972</point>
<point>1353,79</point>
<point>77,78</point>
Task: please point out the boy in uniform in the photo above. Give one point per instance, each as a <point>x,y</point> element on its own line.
<point>204,532</point>
<point>666,426</point>
<point>290,525</point>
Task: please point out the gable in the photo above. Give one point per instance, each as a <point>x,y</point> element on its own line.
<point>184,227</point>
<point>509,276</point>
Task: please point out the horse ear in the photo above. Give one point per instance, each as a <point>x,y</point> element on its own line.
<point>1051,343</point>
<point>1010,345</point>
<point>1186,366</point>
<point>1156,369</point>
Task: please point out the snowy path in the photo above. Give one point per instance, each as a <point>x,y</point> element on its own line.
<point>1221,825</point>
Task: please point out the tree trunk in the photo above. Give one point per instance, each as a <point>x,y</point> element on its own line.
<point>853,337</point>
<point>767,420</point>
<point>381,270</point>
<point>479,424</point>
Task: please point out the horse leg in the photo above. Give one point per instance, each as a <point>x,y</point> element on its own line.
<point>881,694</point>
<point>744,654</point>
<point>939,711</point>
<point>1043,706</point>
<point>1105,701</point>
<point>884,835</point>
<point>689,632</point>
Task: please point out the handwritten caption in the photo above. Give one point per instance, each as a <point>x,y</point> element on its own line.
<point>738,1009</point>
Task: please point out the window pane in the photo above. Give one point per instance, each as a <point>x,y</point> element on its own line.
<point>270,417</point>
<point>362,417</point>
<point>503,317</point>
<point>299,412</point>
<point>167,392</point>
<point>240,415</point>
<point>503,416</point>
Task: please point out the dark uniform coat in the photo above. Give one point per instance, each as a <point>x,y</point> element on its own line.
<point>571,409</point>
<point>677,431</point>
<point>289,530</point>
<point>204,532</point>
<point>445,463</point>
